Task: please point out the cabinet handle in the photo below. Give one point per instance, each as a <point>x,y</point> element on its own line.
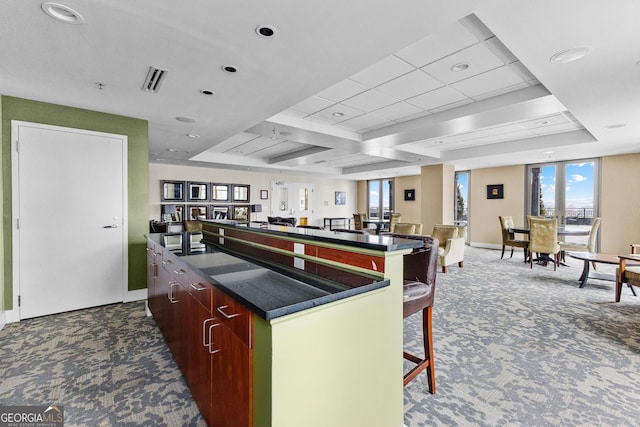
<point>211,339</point>
<point>170,295</point>
<point>201,288</point>
<point>179,272</point>
<point>166,261</point>
<point>157,253</point>
<point>228,316</point>
<point>205,342</point>
<point>153,270</point>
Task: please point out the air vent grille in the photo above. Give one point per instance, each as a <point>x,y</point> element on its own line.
<point>154,79</point>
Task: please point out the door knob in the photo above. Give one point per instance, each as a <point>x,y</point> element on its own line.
<point>111,226</point>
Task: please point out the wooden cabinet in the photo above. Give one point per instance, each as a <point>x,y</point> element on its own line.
<point>209,335</point>
<point>233,367</point>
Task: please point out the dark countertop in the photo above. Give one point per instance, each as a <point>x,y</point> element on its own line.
<point>365,241</point>
<point>268,292</point>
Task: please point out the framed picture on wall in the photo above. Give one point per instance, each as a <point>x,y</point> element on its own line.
<point>410,194</point>
<point>495,191</point>
<point>341,198</point>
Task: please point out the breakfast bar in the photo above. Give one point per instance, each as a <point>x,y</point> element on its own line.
<point>303,325</point>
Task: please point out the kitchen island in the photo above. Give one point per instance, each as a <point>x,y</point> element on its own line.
<point>291,326</point>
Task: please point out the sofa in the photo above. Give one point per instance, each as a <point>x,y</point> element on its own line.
<point>278,220</point>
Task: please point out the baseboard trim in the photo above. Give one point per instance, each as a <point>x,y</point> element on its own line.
<point>12,316</point>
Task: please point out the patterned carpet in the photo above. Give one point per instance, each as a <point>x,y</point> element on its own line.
<point>526,347</point>
<point>513,346</point>
<point>108,366</point>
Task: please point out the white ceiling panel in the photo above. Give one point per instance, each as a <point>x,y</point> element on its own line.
<point>491,81</point>
<point>437,98</point>
<point>397,111</point>
<point>362,122</point>
<point>479,58</point>
<point>342,90</point>
<point>409,85</point>
<point>383,71</point>
<point>433,47</point>
<point>370,100</point>
<point>313,104</point>
<point>338,113</point>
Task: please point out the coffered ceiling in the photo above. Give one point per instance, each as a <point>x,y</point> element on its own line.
<point>354,89</point>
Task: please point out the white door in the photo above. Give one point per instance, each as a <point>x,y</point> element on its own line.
<point>69,201</point>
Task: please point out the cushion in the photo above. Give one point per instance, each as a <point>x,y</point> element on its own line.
<point>404,228</point>
<point>445,233</point>
<point>633,273</point>
<point>416,296</point>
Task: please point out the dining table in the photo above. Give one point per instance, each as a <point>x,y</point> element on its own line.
<point>379,223</point>
<point>562,231</point>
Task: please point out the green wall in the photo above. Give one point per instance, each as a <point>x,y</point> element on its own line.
<point>138,175</point>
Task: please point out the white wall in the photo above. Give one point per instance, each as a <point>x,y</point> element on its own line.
<point>324,197</point>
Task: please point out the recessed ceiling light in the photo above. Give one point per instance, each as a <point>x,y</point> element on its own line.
<point>229,69</point>
<point>266,31</point>
<point>172,150</point>
<point>543,122</point>
<point>207,92</point>
<point>285,133</point>
<point>570,55</point>
<point>193,135</point>
<point>459,67</point>
<point>338,114</point>
<point>548,152</point>
<point>615,126</point>
<point>62,13</point>
<point>186,119</point>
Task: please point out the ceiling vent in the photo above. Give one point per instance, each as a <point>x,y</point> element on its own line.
<point>154,79</point>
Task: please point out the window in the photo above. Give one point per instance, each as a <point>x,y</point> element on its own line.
<point>380,198</point>
<point>564,190</point>
<point>461,199</point>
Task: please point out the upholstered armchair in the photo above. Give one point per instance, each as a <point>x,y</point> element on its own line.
<point>452,240</point>
<point>509,239</point>
<point>628,271</point>
<point>543,239</point>
<point>407,228</point>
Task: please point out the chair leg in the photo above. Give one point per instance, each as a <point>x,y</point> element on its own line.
<point>531,260</point>
<point>427,362</point>
<point>461,264</point>
<point>511,252</point>
<point>502,256</point>
<point>445,269</point>
<point>618,287</point>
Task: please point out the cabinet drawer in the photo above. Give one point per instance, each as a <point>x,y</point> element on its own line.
<point>237,317</point>
<point>201,291</point>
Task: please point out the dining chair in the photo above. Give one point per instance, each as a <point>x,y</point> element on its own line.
<point>393,220</point>
<point>626,273</point>
<point>590,246</point>
<point>543,239</point>
<point>358,219</point>
<point>509,239</point>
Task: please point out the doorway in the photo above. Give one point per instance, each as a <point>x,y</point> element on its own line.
<point>292,199</point>
<point>69,227</point>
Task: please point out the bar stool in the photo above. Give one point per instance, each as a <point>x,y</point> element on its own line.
<point>420,269</point>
